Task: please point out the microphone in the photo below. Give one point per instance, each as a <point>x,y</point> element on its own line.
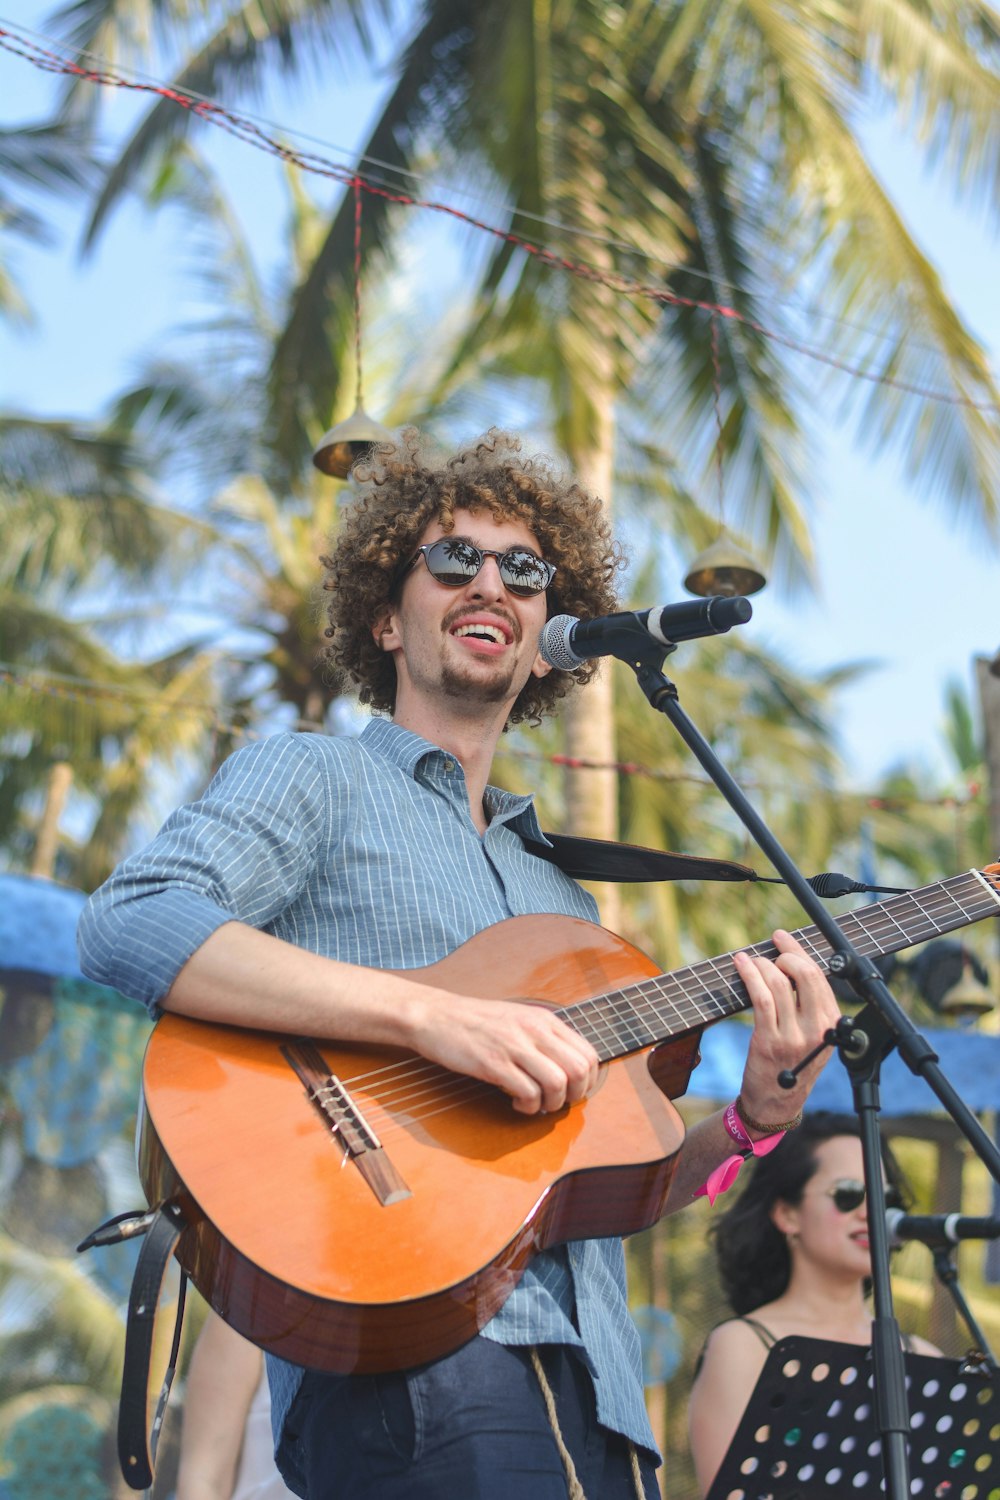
<point>567,642</point>
<point>938,1230</point>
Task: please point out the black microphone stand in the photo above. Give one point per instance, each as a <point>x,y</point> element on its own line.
<point>947,1273</point>
<point>861,1042</point>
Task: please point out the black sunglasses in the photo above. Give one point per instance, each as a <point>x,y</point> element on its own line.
<point>850,1194</point>
<point>454,561</point>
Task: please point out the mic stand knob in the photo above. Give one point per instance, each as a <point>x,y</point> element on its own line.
<point>847,1036</point>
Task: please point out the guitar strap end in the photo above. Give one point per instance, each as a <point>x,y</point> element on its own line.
<point>136,1445</point>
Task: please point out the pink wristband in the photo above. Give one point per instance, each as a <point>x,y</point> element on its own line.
<point>722,1179</point>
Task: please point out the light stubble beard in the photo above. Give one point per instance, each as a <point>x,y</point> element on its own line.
<point>463,688</point>
<point>468,689</point>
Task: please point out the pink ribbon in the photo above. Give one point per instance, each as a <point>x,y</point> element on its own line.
<point>726,1173</point>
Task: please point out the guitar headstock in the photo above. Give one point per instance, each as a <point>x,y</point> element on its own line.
<point>991,873</point>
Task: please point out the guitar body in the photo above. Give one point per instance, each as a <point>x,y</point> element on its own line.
<point>394,1256</point>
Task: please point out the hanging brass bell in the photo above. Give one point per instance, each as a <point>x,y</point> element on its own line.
<point>724,568</point>
<point>968,998</point>
<point>341,447</point>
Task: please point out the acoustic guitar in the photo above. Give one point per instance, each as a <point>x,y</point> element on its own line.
<point>360,1210</point>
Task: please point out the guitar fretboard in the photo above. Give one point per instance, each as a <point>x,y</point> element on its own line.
<point>667,1005</point>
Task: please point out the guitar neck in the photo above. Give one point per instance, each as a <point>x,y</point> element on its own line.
<point>668,1005</point>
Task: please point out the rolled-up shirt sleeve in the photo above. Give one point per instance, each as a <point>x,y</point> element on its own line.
<point>242,852</point>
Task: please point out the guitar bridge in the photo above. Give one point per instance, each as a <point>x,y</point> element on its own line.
<point>344,1120</point>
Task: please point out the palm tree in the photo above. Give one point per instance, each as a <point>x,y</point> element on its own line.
<point>924,824</point>
<point>84,526</point>
<point>722,135</point>
<point>81,520</point>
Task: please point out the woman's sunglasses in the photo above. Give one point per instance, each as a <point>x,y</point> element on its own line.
<point>849,1195</point>
<point>454,562</point>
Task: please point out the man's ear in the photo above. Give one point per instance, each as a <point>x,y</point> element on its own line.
<point>540,667</point>
<point>384,631</point>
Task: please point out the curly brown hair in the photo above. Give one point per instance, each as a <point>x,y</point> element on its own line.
<point>403,489</point>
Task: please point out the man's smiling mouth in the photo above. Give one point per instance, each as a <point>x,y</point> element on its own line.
<point>482,632</point>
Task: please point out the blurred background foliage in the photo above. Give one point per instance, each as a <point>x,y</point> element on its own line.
<point>159,598</point>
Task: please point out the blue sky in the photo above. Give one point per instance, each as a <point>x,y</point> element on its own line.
<point>899,582</point>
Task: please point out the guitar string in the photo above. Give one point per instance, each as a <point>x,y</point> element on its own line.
<point>405,1072</point>
<point>722,969</point>
<point>623,1007</point>
<point>456,1092</point>
<point>863,929</point>
<point>695,1014</point>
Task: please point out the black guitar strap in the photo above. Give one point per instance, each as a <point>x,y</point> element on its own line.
<point>596,859</point>
<point>162,1228</point>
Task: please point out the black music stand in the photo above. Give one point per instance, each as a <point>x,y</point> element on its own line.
<point>809,1432</point>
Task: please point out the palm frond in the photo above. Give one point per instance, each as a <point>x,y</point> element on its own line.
<point>939,64</point>
<point>78,502</point>
<point>224,65</point>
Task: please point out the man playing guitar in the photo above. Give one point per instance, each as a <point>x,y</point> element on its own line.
<point>314,864</point>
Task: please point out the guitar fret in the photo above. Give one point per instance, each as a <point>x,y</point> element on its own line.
<point>713,964</point>
<point>627,1023</point>
<point>667,1005</point>
<point>899,928</point>
<point>607,1027</point>
<point>951,899</point>
<point>708,995</point>
<point>811,946</point>
<point>674,1009</point>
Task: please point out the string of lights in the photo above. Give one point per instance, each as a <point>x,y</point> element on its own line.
<point>81,689</point>
<point>386,173</point>
<point>247,130</point>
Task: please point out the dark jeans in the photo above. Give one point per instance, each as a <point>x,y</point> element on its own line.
<point>472,1426</point>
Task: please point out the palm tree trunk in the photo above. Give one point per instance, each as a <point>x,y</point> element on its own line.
<point>592,794</point>
<point>47,840</point>
<point>988,682</point>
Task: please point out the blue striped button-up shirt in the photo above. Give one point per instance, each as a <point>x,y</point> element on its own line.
<point>364,850</point>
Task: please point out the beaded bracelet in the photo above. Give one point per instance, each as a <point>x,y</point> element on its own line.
<point>761,1129</point>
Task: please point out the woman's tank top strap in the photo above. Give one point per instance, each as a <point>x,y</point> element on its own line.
<point>765,1335</point>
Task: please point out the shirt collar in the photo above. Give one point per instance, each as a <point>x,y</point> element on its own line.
<point>401,747</point>
<point>406,750</point>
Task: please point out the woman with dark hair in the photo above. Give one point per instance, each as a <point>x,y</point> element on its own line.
<point>793,1252</point>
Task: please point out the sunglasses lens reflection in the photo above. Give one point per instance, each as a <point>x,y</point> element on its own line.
<point>454,562</point>
<point>524,573</point>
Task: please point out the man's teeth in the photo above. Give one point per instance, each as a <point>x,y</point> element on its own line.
<point>491,632</point>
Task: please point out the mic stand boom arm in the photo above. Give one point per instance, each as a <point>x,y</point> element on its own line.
<point>861,1042</point>
<point>947,1275</point>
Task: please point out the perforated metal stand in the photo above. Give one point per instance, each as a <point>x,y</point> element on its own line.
<point>809,1433</point>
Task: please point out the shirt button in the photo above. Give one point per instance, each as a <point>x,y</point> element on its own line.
<point>449,765</point>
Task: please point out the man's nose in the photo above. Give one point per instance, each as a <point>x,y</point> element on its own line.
<point>488,581</point>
